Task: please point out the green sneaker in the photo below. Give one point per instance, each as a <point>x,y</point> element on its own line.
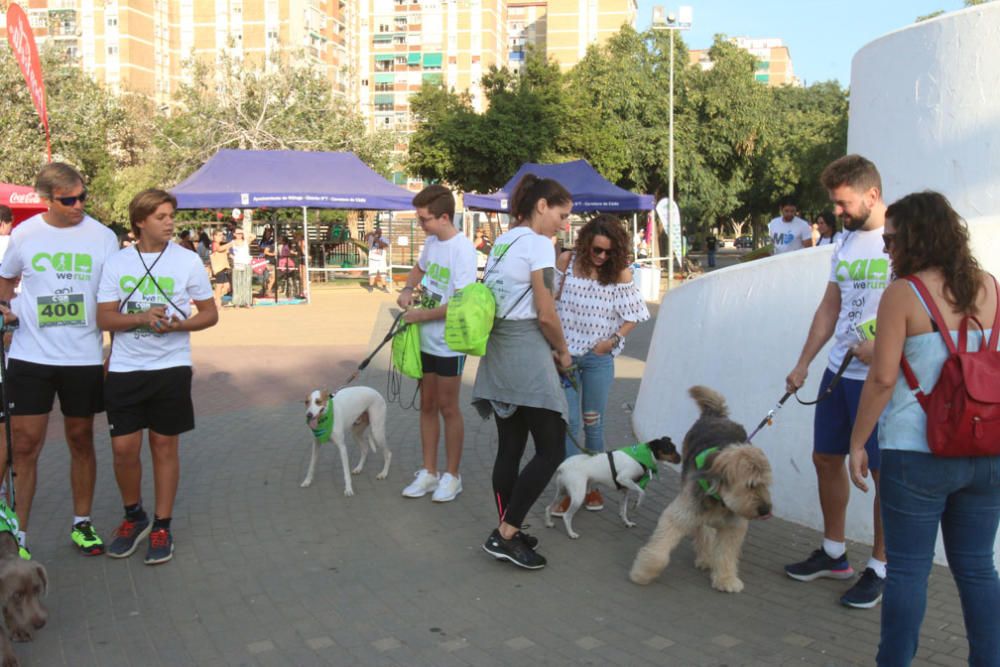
<point>86,539</point>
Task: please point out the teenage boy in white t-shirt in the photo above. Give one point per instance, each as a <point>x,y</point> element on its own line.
<point>57,349</point>
<point>859,273</point>
<point>145,299</point>
<point>446,265</point>
<point>788,231</point>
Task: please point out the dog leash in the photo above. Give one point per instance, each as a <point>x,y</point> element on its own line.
<point>394,329</point>
<point>768,419</point>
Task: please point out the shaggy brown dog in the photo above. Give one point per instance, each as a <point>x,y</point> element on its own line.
<point>22,585</point>
<point>725,481</point>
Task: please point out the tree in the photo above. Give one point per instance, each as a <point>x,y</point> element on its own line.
<point>480,151</point>
<point>270,106</point>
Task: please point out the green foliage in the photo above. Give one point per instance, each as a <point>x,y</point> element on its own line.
<point>480,151</point>
<point>932,15</point>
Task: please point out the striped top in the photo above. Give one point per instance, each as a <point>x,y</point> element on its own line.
<point>591,312</point>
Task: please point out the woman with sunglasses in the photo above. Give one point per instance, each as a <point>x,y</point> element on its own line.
<point>598,306</point>
<point>242,271</point>
<point>926,240</point>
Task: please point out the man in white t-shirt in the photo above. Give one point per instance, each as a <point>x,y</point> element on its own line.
<point>859,273</point>
<point>57,349</point>
<point>378,251</point>
<point>447,264</point>
<point>788,231</point>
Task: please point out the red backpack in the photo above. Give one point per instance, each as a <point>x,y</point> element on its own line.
<point>963,409</point>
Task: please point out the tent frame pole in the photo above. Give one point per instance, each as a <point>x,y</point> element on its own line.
<point>305,252</point>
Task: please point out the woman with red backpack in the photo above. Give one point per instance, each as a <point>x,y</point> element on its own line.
<point>940,464</point>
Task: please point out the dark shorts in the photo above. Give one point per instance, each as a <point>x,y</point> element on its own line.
<point>835,417</point>
<point>448,367</point>
<point>32,388</point>
<point>223,277</point>
<point>158,400</point>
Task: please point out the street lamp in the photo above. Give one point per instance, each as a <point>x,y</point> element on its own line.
<point>672,23</point>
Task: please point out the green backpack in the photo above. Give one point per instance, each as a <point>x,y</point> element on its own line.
<point>406,351</point>
<point>471,312</point>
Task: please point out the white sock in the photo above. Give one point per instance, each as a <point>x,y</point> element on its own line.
<point>834,549</point>
<point>878,566</point>
<point>22,538</point>
<point>80,519</point>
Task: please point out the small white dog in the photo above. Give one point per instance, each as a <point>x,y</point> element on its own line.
<point>620,468</point>
<point>329,417</point>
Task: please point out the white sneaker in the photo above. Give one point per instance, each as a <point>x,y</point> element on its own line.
<point>422,485</point>
<point>448,488</point>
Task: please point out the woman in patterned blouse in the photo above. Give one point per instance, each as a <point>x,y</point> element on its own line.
<point>598,305</point>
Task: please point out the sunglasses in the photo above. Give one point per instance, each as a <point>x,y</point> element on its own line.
<point>600,252</point>
<point>888,240</point>
<point>70,201</point>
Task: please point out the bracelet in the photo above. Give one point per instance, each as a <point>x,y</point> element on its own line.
<point>618,338</point>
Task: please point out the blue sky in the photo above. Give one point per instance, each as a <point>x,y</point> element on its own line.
<point>822,35</point>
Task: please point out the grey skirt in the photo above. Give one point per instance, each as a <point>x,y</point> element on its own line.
<point>518,369</point>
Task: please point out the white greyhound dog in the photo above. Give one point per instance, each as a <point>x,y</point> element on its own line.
<point>329,416</point>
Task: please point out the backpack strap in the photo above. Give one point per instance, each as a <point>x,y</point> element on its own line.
<point>935,313</point>
<point>995,334</point>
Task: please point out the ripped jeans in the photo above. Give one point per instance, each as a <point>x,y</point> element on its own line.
<point>594,375</point>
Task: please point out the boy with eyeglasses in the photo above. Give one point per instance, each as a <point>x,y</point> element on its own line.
<point>57,349</point>
<point>446,265</point>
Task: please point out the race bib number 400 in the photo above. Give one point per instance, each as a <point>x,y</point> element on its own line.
<point>62,310</point>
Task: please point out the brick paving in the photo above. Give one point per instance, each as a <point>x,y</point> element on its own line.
<point>267,573</point>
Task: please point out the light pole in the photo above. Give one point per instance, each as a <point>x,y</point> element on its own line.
<point>672,23</point>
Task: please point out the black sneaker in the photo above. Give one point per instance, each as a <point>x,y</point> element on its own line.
<point>530,540</point>
<point>819,564</point>
<point>514,550</point>
<point>866,591</point>
<point>161,547</point>
<point>128,536</point>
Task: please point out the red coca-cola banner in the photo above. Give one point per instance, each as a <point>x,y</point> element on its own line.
<point>22,42</point>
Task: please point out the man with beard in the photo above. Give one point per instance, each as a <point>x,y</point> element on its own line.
<point>859,273</point>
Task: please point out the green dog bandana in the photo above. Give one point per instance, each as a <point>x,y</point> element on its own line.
<point>699,463</point>
<point>324,426</point>
<point>644,455</point>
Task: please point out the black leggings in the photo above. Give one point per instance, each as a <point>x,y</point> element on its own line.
<point>514,494</point>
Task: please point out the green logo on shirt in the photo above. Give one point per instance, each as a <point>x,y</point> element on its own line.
<point>866,273</point>
<point>147,286</point>
<point>67,265</point>
<point>439,273</point>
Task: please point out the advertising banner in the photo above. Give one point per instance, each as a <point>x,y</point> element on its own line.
<point>22,42</point>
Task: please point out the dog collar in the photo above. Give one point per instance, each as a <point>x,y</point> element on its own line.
<point>324,425</point>
<point>699,463</point>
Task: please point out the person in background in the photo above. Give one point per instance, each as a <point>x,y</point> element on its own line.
<point>204,250</point>
<point>598,306</point>
<point>242,272</point>
<point>377,259</point>
<point>826,227</point>
<point>6,226</point>
<point>788,231</point>
<point>221,273</point>
<point>186,242</point>
<point>267,251</point>
<point>711,245</point>
<point>920,492</point>
<point>518,380</point>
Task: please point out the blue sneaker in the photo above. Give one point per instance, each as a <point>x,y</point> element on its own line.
<point>161,547</point>
<point>819,564</point>
<point>866,591</point>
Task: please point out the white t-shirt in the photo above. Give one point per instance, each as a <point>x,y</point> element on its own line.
<point>510,281</point>
<point>4,242</point>
<point>181,275</point>
<point>60,269</point>
<point>862,271</point>
<point>837,236</point>
<point>448,266</point>
<point>788,236</point>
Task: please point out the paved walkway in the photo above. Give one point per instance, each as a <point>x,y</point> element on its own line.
<point>267,573</point>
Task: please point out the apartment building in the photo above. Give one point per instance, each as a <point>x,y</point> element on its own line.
<point>774,61</point>
<point>145,45</point>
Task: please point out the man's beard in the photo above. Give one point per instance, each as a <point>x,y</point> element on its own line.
<point>853,224</point>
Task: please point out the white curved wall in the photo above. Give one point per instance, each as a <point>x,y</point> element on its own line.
<point>925,109</point>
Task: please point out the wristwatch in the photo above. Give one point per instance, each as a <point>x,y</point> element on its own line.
<point>617,338</point>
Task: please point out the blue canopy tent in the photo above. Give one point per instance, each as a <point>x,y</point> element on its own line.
<point>290,179</point>
<point>591,191</point>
